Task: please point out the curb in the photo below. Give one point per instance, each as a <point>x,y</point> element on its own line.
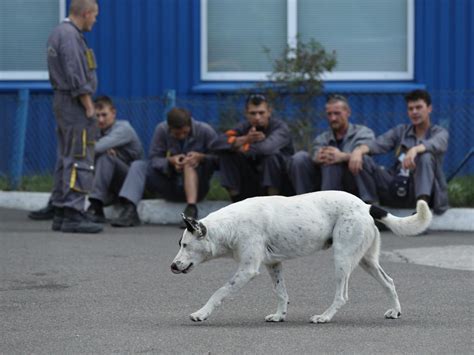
<point>159,211</point>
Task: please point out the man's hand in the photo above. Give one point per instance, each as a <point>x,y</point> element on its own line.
<point>193,159</point>
<point>355,162</point>
<point>177,161</point>
<point>356,159</point>
<point>88,104</point>
<point>112,152</point>
<point>409,160</point>
<point>254,136</point>
<point>331,155</point>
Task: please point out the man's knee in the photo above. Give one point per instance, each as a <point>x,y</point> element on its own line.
<point>104,160</point>
<point>273,161</point>
<point>299,159</point>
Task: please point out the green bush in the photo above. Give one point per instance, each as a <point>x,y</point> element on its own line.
<point>461,191</point>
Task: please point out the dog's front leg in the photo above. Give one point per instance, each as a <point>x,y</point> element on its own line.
<point>276,273</point>
<point>243,275</point>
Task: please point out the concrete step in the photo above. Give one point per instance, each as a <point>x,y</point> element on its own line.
<point>158,211</point>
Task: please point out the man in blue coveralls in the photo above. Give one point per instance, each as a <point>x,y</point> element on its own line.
<point>72,73</point>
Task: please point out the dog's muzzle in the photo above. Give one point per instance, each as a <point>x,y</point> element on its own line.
<point>175,269</point>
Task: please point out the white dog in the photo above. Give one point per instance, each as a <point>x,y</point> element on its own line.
<point>268,230</point>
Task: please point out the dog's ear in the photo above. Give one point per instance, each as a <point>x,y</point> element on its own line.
<point>194,226</point>
<point>189,222</point>
<point>201,230</point>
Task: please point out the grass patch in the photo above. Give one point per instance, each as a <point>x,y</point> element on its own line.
<point>460,189</point>
<point>37,183</point>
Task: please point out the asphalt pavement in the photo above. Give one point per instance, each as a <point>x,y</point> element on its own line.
<point>114,293</point>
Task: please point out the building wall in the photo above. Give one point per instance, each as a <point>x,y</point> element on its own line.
<point>146,47</point>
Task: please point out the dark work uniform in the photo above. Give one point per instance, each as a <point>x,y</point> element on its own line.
<point>111,170</point>
<point>72,72</point>
<point>157,176</point>
<point>307,176</point>
<point>426,179</point>
<point>261,165</point>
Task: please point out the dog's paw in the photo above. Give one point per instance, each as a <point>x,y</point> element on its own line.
<point>393,314</point>
<point>199,316</point>
<point>275,318</point>
<point>319,319</point>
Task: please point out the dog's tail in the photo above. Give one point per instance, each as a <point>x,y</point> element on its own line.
<point>405,226</point>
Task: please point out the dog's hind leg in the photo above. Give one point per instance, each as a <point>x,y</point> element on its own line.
<point>276,273</point>
<point>373,267</point>
<point>349,244</point>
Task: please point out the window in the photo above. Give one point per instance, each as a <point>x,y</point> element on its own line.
<point>373,39</point>
<point>24,29</point>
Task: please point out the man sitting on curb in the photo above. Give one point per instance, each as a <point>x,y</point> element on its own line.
<point>254,154</point>
<point>116,148</point>
<point>328,169</point>
<point>418,172</point>
<point>179,167</point>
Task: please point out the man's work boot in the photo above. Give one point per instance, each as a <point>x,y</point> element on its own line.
<point>58,219</point>
<point>96,215</point>
<point>77,222</point>
<point>190,211</point>
<point>95,212</point>
<point>128,217</point>
<point>43,214</point>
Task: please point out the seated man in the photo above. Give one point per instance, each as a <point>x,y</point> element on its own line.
<point>418,171</point>
<point>328,169</point>
<point>179,167</point>
<point>116,148</point>
<point>253,155</point>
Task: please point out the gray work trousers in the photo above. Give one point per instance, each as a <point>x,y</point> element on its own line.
<point>253,176</point>
<point>307,176</point>
<point>377,184</point>
<point>142,176</point>
<point>110,173</point>
<point>74,169</point>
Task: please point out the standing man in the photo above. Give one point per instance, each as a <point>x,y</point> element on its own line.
<point>419,149</point>
<point>116,148</point>
<point>253,156</point>
<point>328,167</point>
<point>179,167</point>
<point>72,73</point>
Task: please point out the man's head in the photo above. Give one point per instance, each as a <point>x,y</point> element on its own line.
<point>84,13</point>
<point>258,111</point>
<point>338,112</point>
<point>179,123</point>
<point>419,107</point>
<point>105,112</point>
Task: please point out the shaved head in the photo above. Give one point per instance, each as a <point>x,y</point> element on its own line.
<point>78,7</point>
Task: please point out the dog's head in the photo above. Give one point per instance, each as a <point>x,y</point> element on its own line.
<point>194,247</point>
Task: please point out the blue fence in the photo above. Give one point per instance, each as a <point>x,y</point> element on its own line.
<point>28,127</point>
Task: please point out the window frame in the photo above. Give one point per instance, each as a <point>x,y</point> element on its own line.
<point>33,74</point>
<point>292,26</point>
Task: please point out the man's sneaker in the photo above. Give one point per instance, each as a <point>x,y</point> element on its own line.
<point>77,222</point>
<point>43,214</point>
<point>57,219</point>
<point>128,217</point>
<point>96,215</point>
<point>190,211</point>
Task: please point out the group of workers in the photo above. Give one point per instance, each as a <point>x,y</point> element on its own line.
<point>102,158</point>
